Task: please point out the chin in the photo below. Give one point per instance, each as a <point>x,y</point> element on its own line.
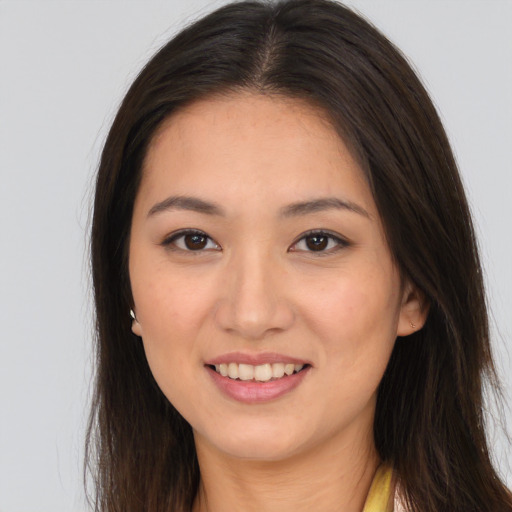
<point>260,451</point>
<point>262,444</point>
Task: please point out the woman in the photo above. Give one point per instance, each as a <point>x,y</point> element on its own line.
<point>289,299</point>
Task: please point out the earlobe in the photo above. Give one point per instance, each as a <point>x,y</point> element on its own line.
<point>413,311</point>
<point>136,329</point>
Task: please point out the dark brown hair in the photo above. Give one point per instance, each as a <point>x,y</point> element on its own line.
<point>429,421</point>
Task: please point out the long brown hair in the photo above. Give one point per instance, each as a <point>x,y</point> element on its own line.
<point>429,420</point>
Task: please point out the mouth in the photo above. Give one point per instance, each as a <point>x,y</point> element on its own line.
<point>257,378</point>
<point>267,372</point>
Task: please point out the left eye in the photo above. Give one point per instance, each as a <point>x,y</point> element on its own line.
<point>319,242</point>
<point>191,241</point>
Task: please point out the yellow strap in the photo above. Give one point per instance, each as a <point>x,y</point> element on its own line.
<point>379,497</point>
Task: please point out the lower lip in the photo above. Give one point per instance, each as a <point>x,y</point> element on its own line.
<point>253,392</point>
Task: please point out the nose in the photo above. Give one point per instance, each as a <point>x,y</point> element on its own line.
<point>253,303</point>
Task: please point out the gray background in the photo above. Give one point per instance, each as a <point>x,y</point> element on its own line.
<point>64,66</point>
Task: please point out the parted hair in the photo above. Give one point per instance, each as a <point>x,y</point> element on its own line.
<point>429,422</point>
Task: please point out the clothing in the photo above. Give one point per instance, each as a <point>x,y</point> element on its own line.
<point>383,496</point>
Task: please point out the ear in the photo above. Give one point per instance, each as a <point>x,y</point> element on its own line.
<point>136,327</point>
<point>413,310</point>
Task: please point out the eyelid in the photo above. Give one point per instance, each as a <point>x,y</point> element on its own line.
<point>169,240</point>
<point>340,241</point>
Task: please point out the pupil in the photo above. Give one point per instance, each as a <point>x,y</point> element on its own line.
<point>317,243</point>
<point>195,242</point>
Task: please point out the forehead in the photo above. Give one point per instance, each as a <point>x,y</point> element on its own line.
<point>235,108</point>
<point>251,143</point>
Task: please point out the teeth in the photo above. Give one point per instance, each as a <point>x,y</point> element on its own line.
<point>233,371</point>
<point>261,373</point>
<point>245,371</point>
<point>289,368</point>
<point>277,370</point>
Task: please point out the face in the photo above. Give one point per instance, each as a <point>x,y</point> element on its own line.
<point>265,293</point>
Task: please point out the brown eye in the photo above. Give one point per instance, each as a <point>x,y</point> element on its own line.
<point>190,241</point>
<point>195,242</point>
<point>317,242</point>
<point>320,242</point>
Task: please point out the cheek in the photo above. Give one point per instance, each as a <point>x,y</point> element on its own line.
<point>170,300</point>
<point>356,316</point>
<point>171,309</point>
<point>356,323</point>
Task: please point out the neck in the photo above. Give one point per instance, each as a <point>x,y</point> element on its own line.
<point>332,477</point>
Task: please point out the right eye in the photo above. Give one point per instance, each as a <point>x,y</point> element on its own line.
<point>191,240</point>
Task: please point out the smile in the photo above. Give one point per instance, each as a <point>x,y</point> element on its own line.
<point>261,373</point>
<point>268,378</point>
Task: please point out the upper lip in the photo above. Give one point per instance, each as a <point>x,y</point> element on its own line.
<point>255,359</point>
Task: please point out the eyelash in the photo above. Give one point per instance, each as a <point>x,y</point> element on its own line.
<point>170,242</point>
<point>340,243</point>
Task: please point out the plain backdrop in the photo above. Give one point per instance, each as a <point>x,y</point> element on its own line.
<point>64,66</point>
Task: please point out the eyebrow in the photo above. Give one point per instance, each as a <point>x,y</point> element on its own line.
<point>198,205</point>
<point>189,203</point>
<point>320,205</point>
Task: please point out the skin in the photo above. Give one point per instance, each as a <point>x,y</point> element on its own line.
<point>257,286</point>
